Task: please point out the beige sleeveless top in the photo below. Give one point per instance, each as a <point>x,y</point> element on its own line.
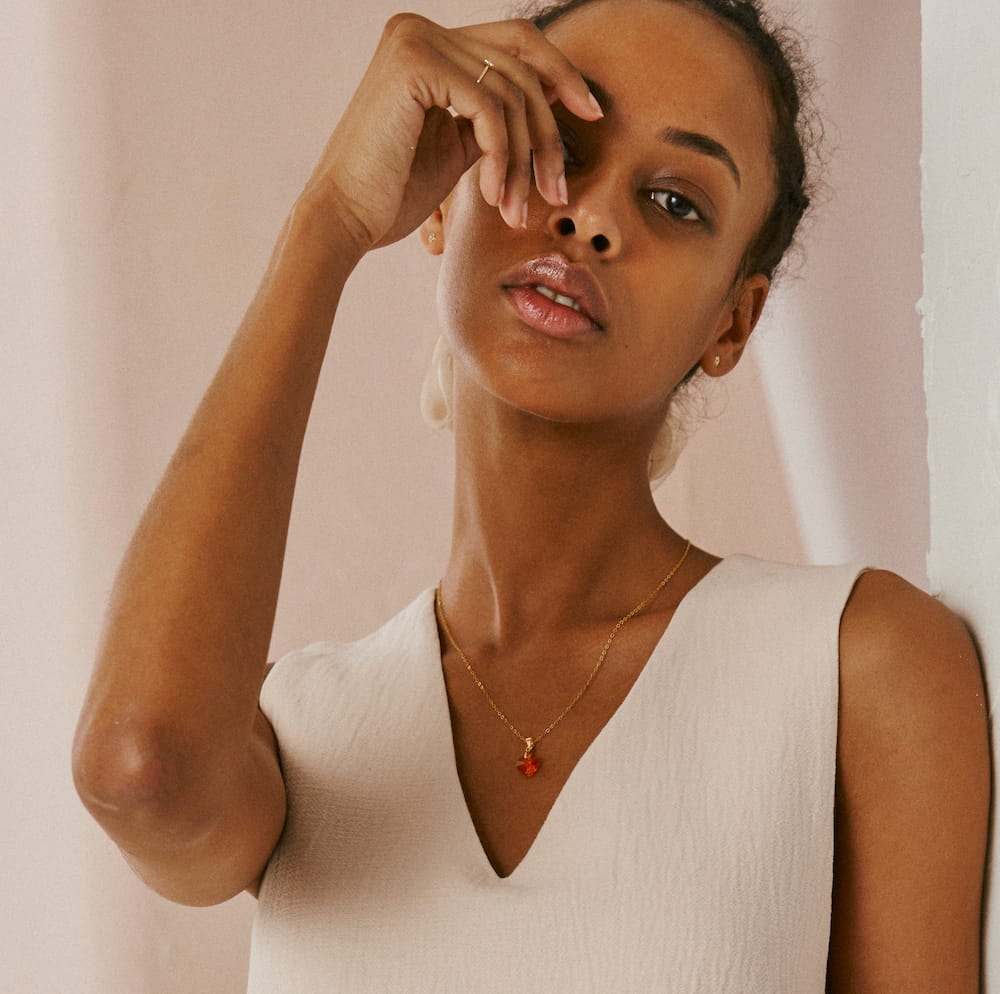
<point>690,851</point>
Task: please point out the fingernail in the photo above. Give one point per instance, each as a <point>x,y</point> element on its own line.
<point>594,105</point>
<point>503,190</point>
<point>511,217</point>
<point>524,214</point>
<point>562,190</point>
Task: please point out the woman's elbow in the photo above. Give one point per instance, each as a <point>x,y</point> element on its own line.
<point>138,786</point>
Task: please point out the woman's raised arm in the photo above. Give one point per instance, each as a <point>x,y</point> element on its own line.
<point>172,755</point>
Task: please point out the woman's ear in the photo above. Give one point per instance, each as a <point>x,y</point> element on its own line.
<point>736,326</point>
<point>432,233</point>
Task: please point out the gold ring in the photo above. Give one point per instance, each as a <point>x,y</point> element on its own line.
<point>487,66</point>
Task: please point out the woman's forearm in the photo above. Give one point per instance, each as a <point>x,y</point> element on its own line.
<point>172,702</point>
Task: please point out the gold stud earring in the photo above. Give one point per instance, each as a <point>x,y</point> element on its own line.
<point>432,237</point>
<point>717,362</point>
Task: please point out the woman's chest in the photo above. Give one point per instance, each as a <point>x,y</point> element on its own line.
<point>511,789</point>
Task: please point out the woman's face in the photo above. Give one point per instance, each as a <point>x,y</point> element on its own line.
<point>666,193</point>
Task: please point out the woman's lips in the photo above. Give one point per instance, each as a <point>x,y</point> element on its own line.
<point>558,320</point>
<point>557,297</point>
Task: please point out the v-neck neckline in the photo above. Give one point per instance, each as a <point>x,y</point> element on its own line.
<point>668,635</point>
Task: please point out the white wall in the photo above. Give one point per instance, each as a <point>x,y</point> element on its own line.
<point>961,207</point>
<point>152,150</point>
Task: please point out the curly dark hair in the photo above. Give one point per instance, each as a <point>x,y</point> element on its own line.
<point>797,130</point>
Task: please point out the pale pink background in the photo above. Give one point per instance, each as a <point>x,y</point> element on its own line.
<point>152,152</point>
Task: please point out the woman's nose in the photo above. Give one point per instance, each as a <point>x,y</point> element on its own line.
<point>589,219</point>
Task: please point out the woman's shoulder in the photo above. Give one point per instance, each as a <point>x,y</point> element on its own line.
<point>892,631</point>
<point>909,670</point>
<point>911,684</point>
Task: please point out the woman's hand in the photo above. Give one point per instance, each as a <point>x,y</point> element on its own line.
<point>420,119</point>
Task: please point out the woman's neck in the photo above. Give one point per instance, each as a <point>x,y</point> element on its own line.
<point>552,523</point>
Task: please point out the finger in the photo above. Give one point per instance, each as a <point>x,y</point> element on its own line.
<point>509,107</point>
<point>496,109</point>
<point>449,81</point>
<point>547,157</point>
<point>545,76</point>
<point>560,78</point>
<point>532,136</point>
<point>517,182</point>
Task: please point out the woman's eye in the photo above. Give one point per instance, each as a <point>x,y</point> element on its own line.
<point>570,155</point>
<point>676,205</point>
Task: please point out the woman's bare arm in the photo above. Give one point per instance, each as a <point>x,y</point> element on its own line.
<point>172,755</point>
<point>913,797</point>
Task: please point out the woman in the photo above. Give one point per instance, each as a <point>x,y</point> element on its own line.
<point>596,758</point>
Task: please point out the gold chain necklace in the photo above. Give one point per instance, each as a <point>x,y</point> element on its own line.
<point>529,763</point>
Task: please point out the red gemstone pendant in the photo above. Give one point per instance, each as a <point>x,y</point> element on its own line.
<point>528,765</point>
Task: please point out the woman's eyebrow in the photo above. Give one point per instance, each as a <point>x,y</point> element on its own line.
<point>693,140</point>
<point>702,143</point>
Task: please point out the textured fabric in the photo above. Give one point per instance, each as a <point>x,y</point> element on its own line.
<point>690,851</point>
